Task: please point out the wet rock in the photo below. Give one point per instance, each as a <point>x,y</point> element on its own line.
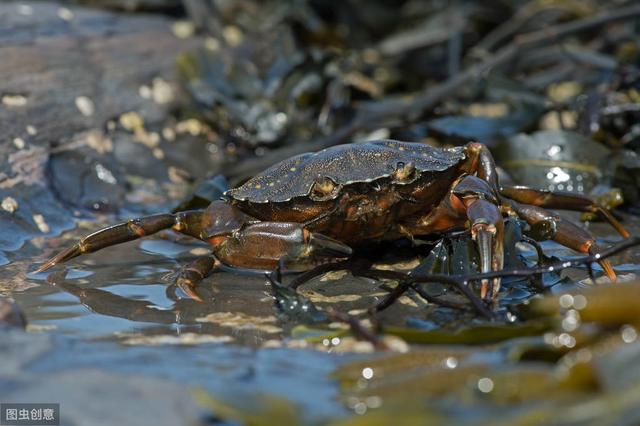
<point>68,73</point>
<point>88,182</point>
<point>556,160</point>
<point>38,213</point>
<point>107,71</point>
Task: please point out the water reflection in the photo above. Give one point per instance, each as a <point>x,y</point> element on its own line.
<point>123,290</point>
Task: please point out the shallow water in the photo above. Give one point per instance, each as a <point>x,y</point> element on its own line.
<point>115,311</point>
<point>112,311</point>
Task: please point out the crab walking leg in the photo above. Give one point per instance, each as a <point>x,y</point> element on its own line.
<point>561,231</point>
<point>262,245</point>
<point>480,162</point>
<point>563,201</point>
<point>487,226</point>
<point>191,274</point>
<point>185,222</point>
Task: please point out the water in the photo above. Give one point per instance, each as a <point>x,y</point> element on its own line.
<point>114,313</point>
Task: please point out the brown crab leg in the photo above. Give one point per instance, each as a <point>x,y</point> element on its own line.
<point>191,274</point>
<point>185,222</point>
<point>561,231</point>
<point>563,201</point>
<point>487,229</point>
<point>482,164</point>
<point>487,226</point>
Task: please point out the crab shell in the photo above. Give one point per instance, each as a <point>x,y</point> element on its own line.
<point>345,165</point>
<point>352,182</point>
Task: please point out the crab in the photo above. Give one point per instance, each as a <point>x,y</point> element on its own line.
<point>318,207</point>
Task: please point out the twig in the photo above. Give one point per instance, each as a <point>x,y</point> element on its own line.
<point>357,328</point>
<point>542,258</point>
<point>518,46</point>
<point>390,298</point>
<point>402,288</point>
<point>563,264</point>
<point>437,300</point>
<point>459,281</point>
<point>519,20</point>
<point>319,270</point>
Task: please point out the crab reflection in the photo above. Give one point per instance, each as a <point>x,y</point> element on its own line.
<point>112,291</point>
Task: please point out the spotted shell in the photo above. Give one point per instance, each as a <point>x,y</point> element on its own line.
<point>344,164</point>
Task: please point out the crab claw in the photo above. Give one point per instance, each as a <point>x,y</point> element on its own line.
<point>487,231</point>
<point>490,250</point>
<point>262,245</point>
<point>477,198</point>
<point>483,239</point>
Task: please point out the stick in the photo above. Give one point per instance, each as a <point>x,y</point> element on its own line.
<point>459,282</point>
<point>359,330</point>
<point>585,260</point>
<point>437,300</point>
<point>390,298</point>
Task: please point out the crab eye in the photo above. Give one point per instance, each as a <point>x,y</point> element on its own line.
<point>405,173</point>
<point>323,188</point>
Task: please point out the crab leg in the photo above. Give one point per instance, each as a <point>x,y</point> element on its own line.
<point>482,164</point>
<point>487,226</point>
<point>185,222</point>
<point>191,274</point>
<point>561,231</point>
<point>563,201</point>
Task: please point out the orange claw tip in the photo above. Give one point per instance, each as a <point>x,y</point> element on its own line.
<point>594,250</point>
<point>484,289</point>
<point>608,269</point>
